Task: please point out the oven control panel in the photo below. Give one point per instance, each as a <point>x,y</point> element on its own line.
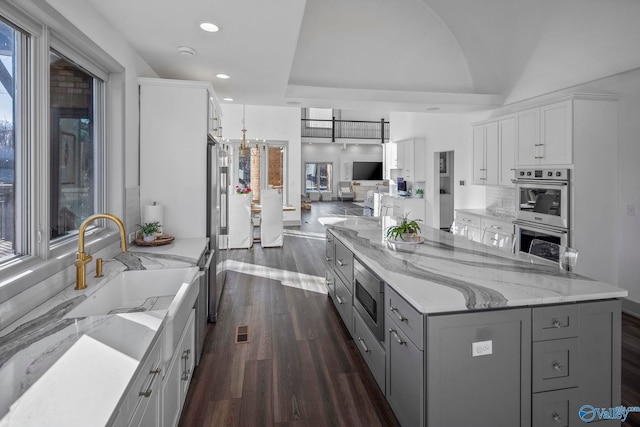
<point>543,174</point>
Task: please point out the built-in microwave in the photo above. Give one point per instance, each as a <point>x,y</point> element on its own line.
<point>542,196</point>
<point>368,299</point>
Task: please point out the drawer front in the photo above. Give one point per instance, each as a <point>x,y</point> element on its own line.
<point>554,322</point>
<point>344,264</point>
<point>497,226</point>
<point>330,251</point>
<point>330,280</point>
<point>370,349</point>
<point>344,303</point>
<point>555,365</point>
<point>471,220</point>
<point>555,408</point>
<point>408,319</point>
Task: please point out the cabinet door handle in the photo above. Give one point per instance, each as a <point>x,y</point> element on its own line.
<point>397,337</point>
<point>340,262</point>
<point>339,299</point>
<point>556,417</point>
<point>327,258</point>
<point>558,367</point>
<point>364,346</point>
<point>154,374</point>
<point>538,145</point>
<point>496,227</point>
<point>398,314</point>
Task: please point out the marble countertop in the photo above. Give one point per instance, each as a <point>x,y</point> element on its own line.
<point>58,371</point>
<point>448,273</point>
<point>488,214</point>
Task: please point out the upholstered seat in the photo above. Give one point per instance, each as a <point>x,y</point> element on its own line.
<point>345,190</point>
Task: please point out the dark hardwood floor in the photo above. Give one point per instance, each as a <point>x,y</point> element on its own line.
<point>300,366</point>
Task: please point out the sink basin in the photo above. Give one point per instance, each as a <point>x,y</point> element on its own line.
<point>172,290</point>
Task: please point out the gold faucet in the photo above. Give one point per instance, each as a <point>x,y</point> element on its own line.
<point>83,259</point>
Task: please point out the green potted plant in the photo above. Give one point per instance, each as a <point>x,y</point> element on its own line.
<point>419,193</point>
<point>408,230</point>
<point>149,230</point>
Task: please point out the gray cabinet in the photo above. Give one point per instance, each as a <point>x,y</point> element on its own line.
<point>372,352</point>
<point>478,368</point>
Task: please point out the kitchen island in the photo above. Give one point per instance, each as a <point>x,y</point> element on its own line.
<point>474,336</point>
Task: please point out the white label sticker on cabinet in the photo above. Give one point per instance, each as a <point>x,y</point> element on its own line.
<point>482,348</point>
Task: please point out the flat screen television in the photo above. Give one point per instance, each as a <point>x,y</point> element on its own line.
<point>371,171</point>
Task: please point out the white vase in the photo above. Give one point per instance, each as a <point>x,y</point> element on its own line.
<point>148,237</point>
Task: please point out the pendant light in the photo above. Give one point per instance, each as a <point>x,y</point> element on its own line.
<point>244,147</point>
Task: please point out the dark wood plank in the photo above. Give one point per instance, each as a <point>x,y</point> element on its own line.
<point>631,367</point>
<point>255,407</point>
<point>222,413</point>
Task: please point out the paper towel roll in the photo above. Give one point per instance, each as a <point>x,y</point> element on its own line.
<point>151,213</point>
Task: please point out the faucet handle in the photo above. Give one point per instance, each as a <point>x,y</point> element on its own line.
<point>99,267</point>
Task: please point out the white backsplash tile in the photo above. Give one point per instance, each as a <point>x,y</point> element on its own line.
<point>501,200</point>
<point>132,219</point>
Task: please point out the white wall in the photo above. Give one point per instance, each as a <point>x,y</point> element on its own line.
<point>442,132</point>
<point>341,159</point>
<point>275,124</point>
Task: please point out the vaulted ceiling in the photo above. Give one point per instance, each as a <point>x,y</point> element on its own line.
<point>394,55</point>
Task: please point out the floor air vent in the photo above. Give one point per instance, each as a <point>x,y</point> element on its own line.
<point>242,334</point>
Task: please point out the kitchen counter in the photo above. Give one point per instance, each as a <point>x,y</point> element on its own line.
<point>487,214</point>
<point>74,370</point>
<point>447,273</point>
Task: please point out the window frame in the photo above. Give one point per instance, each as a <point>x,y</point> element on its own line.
<point>264,165</point>
<point>40,263</point>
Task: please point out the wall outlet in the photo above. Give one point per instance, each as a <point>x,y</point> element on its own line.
<point>631,210</point>
<point>462,182</point>
<point>132,236</point>
<point>482,348</point>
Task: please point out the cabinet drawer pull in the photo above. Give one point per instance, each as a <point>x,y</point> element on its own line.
<point>364,346</point>
<point>329,282</point>
<point>398,314</point>
<point>340,262</point>
<point>556,417</point>
<point>538,145</point>
<point>339,299</point>
<point>327,258</point>
<point>496,227</point>
<point>397,337</point>
<point>154,374</point>
<point>556,323</point>
<point>558,367</point>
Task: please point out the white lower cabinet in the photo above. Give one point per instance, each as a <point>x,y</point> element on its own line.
<point>178,376</point>
<point>141,404</point>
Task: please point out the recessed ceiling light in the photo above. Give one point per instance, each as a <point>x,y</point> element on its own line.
<point>209,27</point>
<point>227,99</point>
<point>432,108</point>
<point>222,76</point>
<point>186,51</point>
<point>293,103</point>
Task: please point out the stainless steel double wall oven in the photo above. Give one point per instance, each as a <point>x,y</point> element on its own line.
<point>543,207</point>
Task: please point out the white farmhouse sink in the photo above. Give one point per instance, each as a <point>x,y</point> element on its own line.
<point>173,290</point>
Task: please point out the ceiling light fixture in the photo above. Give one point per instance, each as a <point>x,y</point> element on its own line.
<point>209,27</point>
<point>227,99</point>
<point>186,51</point>
<point>222,76</point>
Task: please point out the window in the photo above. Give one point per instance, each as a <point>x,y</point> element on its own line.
<point>263,167</point>
<point>12,43</point>
<point>319,176</point>
<point>73,145</point>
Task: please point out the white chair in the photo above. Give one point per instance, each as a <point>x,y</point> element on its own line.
<point>240,224</point>
<point>271,225</point>
<point>566,257</point>
<point>458,229</point>
<point>505,242</point>
<point>345,190</point>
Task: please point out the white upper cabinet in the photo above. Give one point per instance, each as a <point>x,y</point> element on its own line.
<point>410,156</point>
<point>506,151</point>
<point>545,135</point>
<point>485,154</point>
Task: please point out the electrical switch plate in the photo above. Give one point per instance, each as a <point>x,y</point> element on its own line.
<point>631,210</point>
<point>482,348</point>
<point>132,237</point>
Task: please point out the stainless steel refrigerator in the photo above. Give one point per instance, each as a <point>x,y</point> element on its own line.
<point>217,213</point>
